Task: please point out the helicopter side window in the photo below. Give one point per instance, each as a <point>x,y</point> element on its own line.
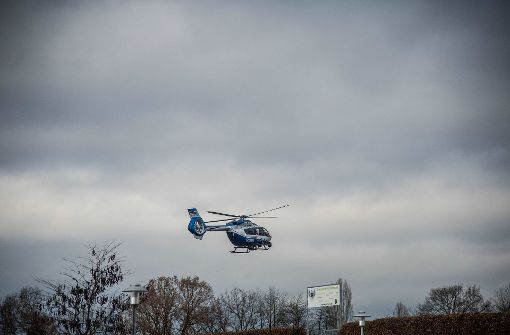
<point>250,231</point>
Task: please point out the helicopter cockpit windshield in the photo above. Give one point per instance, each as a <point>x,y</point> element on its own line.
<point>264,232</point>
<point>257,231</point>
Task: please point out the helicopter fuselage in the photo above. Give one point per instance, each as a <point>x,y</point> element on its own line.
<point>248,235</point>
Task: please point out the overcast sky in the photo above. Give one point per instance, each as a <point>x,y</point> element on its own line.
<point>385,126</point>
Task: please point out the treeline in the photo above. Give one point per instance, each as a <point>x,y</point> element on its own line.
<point>182,305</point>
<point>457,298</point>
<point>87,301</point>
<point>174,305</point>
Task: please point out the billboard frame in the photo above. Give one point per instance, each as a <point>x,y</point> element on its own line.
<point>324,300</point>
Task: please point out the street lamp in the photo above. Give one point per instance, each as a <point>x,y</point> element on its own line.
<point>134,294</point>
<point>361,315</point>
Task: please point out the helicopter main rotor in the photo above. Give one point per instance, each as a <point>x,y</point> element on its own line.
<point>245,216</point>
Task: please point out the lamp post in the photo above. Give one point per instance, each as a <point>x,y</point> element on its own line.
<point>361,315</point>
<point>134,294</point>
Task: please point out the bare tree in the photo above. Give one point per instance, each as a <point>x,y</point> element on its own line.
<point>454,299</point>
<point>249,309</point>
<point>317,320</point>
<point>8,317</point>
<point>24,313</point>
<point>296,311</point>
<point>32,317</point>
<point>275,307</point>
<point>400,310</point>
<point>83,303</point>
<point>242,308</point>
<point>252,298</point>
<point>330,317</point>
<point>158,310</point>
<point>261,311</point>
<point>195,300</point>
<point>473,301</point>
<point>217,321</point>
<point>501,298</point>
<point>184,306</point>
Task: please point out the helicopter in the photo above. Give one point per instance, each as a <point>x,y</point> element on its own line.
<point>242,233</point>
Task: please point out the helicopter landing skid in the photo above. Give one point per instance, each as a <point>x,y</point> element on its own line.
<point>240,252</point>
<point>247,249</point>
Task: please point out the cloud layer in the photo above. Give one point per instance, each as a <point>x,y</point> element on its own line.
<point>385,126</point>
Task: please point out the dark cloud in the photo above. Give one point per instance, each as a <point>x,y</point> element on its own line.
<point>387,121</point>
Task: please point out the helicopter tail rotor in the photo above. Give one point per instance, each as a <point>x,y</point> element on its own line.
<point>196,225</point>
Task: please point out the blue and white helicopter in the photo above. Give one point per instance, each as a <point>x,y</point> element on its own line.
<point>243,233</point>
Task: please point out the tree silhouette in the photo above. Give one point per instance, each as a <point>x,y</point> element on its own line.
<point>84,303</point>
<point>454,299</point>
<point>195,300</point>
<point>24,313</point>
<point>158,310</point>
<point>400,310</point>
<point>502,299</point>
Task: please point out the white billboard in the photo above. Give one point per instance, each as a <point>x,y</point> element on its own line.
<point>326,295</point>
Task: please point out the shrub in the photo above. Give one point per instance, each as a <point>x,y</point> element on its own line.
<point>452,324</point>
<point>267,331</point>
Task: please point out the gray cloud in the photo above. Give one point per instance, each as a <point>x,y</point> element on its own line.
<point>384,125</point>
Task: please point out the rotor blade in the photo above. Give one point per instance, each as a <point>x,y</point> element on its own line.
<point>224,214</point>
<point>269,210</point>
<point>262,217</point>
<point>218,220</point>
